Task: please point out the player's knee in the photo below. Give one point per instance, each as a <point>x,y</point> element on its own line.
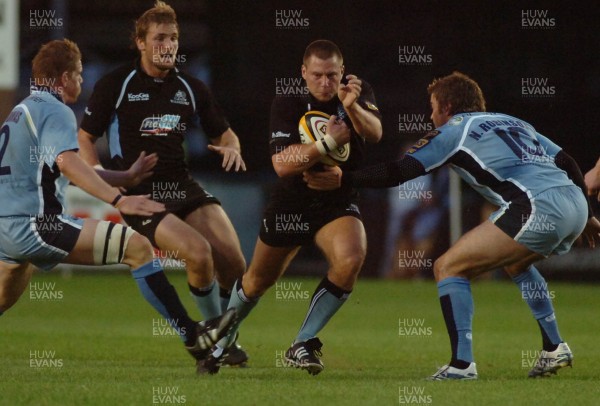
<point>350,263</point>
<point>138,252</point>
<point>257,283</point>
<point>443,268</point>
<point>198,257</point>
<point>6,303</point>
<point>234,269</point>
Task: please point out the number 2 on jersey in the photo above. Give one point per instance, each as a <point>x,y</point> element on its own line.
<point>4,134</point>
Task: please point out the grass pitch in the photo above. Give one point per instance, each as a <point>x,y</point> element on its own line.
<point>93,340</point>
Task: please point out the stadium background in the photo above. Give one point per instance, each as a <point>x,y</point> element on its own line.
<point>247,51</point>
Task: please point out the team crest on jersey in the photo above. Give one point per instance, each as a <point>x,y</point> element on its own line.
<point>423,141</point>
<point>180,98</point>
<point>160,125</point>
<point>455,120</point>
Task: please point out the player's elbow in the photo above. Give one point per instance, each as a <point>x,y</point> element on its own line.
<point>375,134</point>
<point>85,139</point>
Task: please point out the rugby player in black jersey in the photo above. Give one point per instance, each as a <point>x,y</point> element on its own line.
<point>147,106</point>
<point>296,216</point>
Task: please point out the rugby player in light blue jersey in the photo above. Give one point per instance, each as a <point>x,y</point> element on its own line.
<point>38,157</point>
<point>538,188</point>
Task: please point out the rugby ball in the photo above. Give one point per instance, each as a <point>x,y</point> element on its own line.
<point>313,127</point>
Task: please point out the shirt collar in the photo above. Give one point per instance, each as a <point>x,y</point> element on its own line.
<point>46,89</point>
<point>171,75</point>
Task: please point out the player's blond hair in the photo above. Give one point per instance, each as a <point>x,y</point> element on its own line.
<point>53,59</point>
<point>161,13</point>
<point>458,92</point>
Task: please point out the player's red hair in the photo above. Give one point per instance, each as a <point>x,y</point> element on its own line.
<point>53,59</point>
<point>458,91</point>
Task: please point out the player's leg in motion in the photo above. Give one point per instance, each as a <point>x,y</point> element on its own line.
<point>104,243</point>
<point>212,223</point>
<point>14,278</point>
<point>484,248</point>
<point>268,264</point>
<point>182,241</point>
<point>343,242</point>
<point>534,290</point>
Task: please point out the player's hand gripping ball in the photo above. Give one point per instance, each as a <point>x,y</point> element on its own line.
<point>312,128</point>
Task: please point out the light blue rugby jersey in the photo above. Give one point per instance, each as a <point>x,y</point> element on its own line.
<point>36,131</point>
<point>502,157</point>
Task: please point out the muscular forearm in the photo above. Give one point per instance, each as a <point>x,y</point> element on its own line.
<point>295,159</point>
<point>365,123</point>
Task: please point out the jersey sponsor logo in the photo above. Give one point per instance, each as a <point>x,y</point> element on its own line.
<point>146,222</point>
<point>423,141</point>
<point>161,125</point>
<point>87,112</point>
<point>280,134</point>
<point>132,97</point>
<point>180,98</point>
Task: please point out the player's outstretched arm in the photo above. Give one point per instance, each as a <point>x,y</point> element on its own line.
<point>592,181</point>
<point>84,176</point>
<point>591,232</point>
<point>383,175</point>
<point>139,170</point>
<point>228,145</point>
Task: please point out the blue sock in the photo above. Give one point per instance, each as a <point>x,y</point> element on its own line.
<point>224,296</point>
<point>161,295</point>
<point>243,305</point>
<point>534,290</point>
<point>207,300</point>
<point>325,302</point>
<point>457,307</point>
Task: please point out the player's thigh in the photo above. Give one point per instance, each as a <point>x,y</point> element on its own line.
<point>483,248</point>
<point>212,223</point>
<point>103,242</point>
<point>14,278</point>
<point>267,265</point>
<point>83,251</point>
<point>180,240</point>
<point>343,241</point>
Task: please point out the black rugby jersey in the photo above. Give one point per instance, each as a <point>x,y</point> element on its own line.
<point>142,113</point>
<point>285,116</point>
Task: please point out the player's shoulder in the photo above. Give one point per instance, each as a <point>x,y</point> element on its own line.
<point>194,82</point>
<point>117,75</point>
<point>44,103</point>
